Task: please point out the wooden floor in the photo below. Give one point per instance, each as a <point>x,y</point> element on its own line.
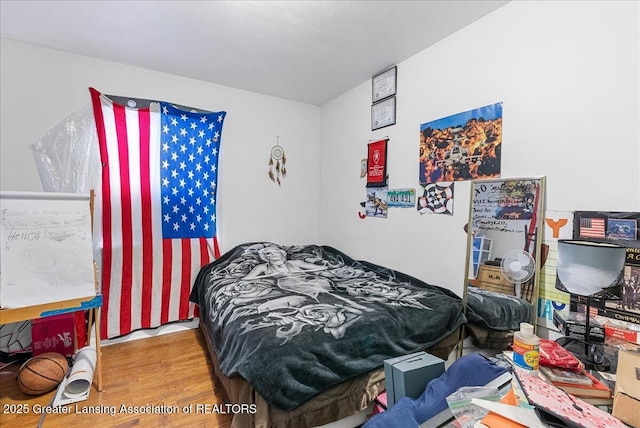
<point>171,370</point>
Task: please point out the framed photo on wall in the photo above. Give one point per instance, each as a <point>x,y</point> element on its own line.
<point>383,113</point>
<point>384,84</point>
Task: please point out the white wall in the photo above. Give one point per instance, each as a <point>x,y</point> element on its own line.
<point>567,74</point>
<point>40,87</point>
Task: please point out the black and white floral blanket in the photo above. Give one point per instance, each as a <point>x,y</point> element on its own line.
<point>296,320</point>
<point>497,311</point>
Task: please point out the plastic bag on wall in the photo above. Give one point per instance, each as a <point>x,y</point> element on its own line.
<point>67,157</point>
<point>68,161</point>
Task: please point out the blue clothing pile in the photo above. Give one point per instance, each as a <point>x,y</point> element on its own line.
<point>469,370</point>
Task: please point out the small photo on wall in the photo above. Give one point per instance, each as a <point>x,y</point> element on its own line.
<point>592,227</point>
<point>630,301</point>
<point>376,204</point>
<point>621,228</point>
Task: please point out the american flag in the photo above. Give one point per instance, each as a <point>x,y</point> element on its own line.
<point>159,177</point>
<point>592,228</point>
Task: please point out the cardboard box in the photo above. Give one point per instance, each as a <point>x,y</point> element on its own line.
<point>54,334</point>
<point>574,326</point>
<point>627,393</point>
<point>408,375</point>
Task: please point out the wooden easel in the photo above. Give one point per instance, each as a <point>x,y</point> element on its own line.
<point>92,304</point>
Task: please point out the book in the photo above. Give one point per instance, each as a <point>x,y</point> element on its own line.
<point>557,374</point>
<point>607,378</point>
<point>596,401</point>
<point>573,411</point>
<point>596,389</point>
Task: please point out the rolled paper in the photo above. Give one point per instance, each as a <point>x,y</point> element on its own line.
<point>81,376</point>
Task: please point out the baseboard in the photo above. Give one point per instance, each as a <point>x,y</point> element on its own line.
<point>173,327</point>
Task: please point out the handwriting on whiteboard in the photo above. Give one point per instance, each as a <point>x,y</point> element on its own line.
<point>46,248</point>
<point>502,205</point>
<point>36,225</point>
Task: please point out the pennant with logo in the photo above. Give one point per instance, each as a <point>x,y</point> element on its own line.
<point>377,164</point>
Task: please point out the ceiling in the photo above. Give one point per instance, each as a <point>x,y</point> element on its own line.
<point>306,51</point>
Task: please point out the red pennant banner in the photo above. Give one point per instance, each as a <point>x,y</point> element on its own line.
<point>377,163</point>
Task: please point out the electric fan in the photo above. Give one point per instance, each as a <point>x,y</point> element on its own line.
<point>518,266</point>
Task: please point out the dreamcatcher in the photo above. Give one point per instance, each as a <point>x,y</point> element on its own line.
<point>277,162</point>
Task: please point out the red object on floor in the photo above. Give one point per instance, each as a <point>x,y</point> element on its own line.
<point>53,334</point>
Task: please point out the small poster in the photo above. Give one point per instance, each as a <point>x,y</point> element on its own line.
<point>377,163</point>
<point>436,199</point>
<point>363,168</point>
<point>592,227</point>
<point>464,146</point>
<point>622,228</point>
<point>376,204</point>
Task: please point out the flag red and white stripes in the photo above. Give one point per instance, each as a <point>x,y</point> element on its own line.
<point>159,176</point>
<point>592,227</point>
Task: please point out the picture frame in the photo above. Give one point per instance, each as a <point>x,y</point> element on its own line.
<point>383,113</point>
<point>384,85</point>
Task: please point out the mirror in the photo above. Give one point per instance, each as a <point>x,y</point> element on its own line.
<point>504,238</point>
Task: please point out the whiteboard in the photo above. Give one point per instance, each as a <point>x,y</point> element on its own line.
<point>46,252</point>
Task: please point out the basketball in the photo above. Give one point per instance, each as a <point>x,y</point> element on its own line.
<point>42,373</point>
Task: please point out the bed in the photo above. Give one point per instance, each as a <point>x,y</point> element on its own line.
<point>492,317</point>
<point>300,333</point>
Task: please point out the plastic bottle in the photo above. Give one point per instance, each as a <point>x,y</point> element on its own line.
<point>526,346</point>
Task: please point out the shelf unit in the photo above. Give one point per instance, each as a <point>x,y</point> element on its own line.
<point>480,253</point>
